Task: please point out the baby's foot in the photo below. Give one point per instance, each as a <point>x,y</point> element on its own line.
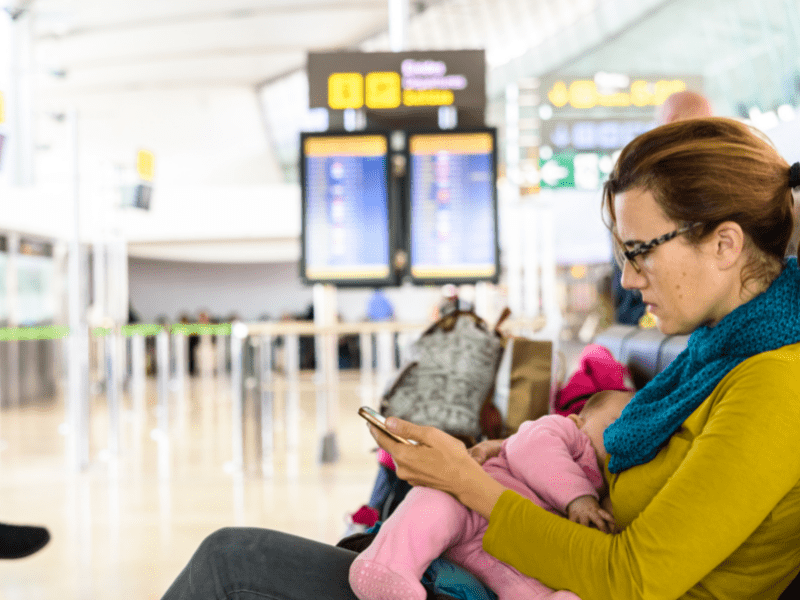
<point>373,581</point>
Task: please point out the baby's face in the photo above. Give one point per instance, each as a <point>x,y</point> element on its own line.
<point>596,421</point>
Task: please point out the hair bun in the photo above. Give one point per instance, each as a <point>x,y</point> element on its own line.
<point>794,175</point>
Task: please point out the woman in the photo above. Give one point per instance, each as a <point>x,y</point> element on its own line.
<point>704,471</point>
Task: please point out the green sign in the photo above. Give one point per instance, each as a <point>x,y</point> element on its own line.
<point>558,171</point>
<point>575,170</point>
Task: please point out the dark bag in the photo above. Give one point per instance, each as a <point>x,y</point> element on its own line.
<point>450,375</point>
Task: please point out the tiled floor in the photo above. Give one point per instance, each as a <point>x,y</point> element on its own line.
<point>119,530</point>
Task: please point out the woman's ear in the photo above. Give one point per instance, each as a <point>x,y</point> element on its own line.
<point>728,240</point>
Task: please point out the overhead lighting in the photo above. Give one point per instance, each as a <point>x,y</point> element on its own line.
<point>612,81</point>
<point>786,112</point>
<point>769,120</point>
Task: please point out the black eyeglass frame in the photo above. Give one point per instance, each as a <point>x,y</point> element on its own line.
<point>644,247</point>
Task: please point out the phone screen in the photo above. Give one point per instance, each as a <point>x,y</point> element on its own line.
<point>380,422</point>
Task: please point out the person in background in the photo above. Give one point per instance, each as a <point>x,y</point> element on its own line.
<point>628,306</point>
<point>379,307</point>
<point>684,105</point>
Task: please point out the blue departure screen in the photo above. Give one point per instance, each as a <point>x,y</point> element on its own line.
<point>452,204</point>
<point>345,191</point>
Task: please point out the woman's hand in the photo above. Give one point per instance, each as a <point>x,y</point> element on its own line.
<point>439,461</point>
<point>435,461</point>
<point>485,450</point>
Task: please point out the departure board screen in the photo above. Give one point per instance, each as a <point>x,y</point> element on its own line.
<point>345,193</point>
<point>453,206</point>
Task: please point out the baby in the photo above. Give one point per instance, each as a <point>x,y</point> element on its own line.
<point>554,461</point>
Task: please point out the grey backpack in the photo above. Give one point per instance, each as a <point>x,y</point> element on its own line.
<point>449,376</point>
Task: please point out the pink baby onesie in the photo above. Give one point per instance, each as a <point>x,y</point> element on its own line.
<point>550,461</point>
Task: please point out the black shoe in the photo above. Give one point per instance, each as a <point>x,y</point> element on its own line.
<point>18,541</point>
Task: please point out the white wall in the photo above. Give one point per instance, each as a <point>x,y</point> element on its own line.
<point>213,164</point>
<point>251,290</point>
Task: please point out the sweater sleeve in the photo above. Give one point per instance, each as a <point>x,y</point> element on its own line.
<point>738,468</point>
<point>544,454</point>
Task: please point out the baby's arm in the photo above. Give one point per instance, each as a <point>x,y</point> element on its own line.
<point>543,455</point>
<point>586,510</point>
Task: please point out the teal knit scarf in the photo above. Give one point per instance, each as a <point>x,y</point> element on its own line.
<point>769,321</point>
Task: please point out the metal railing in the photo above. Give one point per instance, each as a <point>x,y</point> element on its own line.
<point>261,359</point>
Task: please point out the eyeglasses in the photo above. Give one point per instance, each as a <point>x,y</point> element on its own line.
<point>642,248</point>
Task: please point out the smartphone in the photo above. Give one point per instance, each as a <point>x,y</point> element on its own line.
<point>380,422</point>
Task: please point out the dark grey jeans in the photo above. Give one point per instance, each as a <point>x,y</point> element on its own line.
<point>244,563</point>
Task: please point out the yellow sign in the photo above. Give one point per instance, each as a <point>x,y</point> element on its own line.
<point>345,90</point>
<point>2,108</point>
<point>383,90</point>
<point>428,97</point>
<point>145,165</point>
<point>584,93</point>
<point>357,145</point>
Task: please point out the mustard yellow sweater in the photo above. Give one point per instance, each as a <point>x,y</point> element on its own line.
<point>716,514</point>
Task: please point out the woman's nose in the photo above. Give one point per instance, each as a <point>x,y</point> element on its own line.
<point>631,279</point>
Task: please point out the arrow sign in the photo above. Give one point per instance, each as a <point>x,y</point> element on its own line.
<point>553,173</point>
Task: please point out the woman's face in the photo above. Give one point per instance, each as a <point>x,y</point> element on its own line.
<point>679,282</point>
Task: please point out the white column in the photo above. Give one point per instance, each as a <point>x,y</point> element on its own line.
<point>14,311</point>
<point>550,304</point>
<point>509,200</point>
<point>531,224</point>
<point>398,25</point>
<point>19,100</point>
<point>99,268</point>
<point>78,341</point>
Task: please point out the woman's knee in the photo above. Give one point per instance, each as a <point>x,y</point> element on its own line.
<point>218,544</point>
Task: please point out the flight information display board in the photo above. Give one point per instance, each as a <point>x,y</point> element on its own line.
<point>345,199</point>
<point>452,203</point>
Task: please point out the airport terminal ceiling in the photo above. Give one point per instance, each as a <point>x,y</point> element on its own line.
<point>253,42</point>
<point>747,51</point>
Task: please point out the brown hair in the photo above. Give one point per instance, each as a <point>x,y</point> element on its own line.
<point>709,171</point>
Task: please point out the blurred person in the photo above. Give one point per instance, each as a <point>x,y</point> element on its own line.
<point>683,105</point>
<point>628,306</point>
<point>379,307</point>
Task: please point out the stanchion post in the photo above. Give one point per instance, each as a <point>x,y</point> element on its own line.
<point>267,407</point>
<point>325,315</point>
<point>113,392</point>
<point>367,391</point>
<point>238,335</point>
<point>292,346</point>
<point>138,373</point>
<point>179,349</point>
<point>386,359</point>
<point>162,357</point>
<point>161,434</point>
